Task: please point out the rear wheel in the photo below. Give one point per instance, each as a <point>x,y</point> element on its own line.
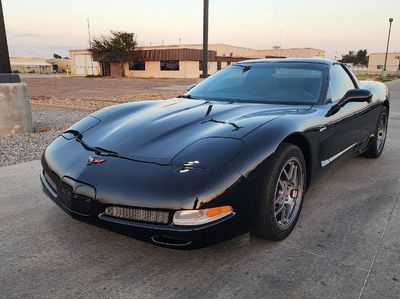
<point>378,142</point>
<point>282,193</point>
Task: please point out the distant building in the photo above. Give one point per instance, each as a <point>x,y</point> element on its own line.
<point>225,50</point>
<point>180,61</point>
<point>81,63</point>
<point>377,61</point>
<point>60,65</point>
<point>26,65</point>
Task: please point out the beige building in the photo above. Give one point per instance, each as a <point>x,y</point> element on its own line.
<point>28,65</point>
<point>377,61</point>
<point>178,61</point>
<point>82,64</point>
<point>60,65</point>
<point>225,50</point>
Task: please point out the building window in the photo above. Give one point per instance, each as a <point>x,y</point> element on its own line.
<point>379,67</point>
<point>169,65</point>
<point>200,65</point>
<point>228,63</point>
<point>137,66</point>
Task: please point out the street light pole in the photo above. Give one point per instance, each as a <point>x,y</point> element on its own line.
<point>205,41</point>
<point>5,66</point>
<point>387,44</point>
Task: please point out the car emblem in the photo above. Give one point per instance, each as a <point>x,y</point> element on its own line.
<point>94,161</point>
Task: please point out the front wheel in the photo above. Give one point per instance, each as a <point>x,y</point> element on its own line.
<point>282,193</point>
<point>378,142</point>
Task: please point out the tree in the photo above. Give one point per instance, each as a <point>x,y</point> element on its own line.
<point>56,56</point>
<point>356,58</point>
<point>119,46</point>
<point>348,58</point>
<point>361,57</point>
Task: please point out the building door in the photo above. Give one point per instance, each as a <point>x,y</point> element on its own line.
<point>105,68</point>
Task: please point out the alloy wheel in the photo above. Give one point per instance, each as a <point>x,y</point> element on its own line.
<point>289,193</point>
<point>382,131</point>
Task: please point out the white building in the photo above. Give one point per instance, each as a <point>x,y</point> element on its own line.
<point>82,63</point>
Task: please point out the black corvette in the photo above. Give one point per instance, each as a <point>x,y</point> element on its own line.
<point>235,154</point>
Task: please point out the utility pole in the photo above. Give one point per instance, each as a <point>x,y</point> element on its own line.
<point>387,45</point>
<point>398,57</point>
<point>5,66</point>
<point>90,45</point>
<point>205,41</point>
<point>90,38</point>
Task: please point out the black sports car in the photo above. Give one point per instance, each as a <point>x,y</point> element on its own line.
<point>235,154</point>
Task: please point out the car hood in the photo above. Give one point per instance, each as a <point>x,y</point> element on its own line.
<point>163,128</point>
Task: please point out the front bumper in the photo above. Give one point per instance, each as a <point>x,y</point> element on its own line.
<point>166,235</point>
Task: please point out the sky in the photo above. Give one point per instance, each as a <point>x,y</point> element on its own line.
<point>42,27</point>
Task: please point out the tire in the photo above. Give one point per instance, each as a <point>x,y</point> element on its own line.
<point>375,149</point>
<point>274,191</point>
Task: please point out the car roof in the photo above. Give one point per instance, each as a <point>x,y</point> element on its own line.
<point>296,60</point>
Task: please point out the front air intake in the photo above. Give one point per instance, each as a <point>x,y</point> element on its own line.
<point>136,214</point>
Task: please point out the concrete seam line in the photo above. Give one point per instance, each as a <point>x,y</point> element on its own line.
<point>329,258</point>
<point>379,247</point>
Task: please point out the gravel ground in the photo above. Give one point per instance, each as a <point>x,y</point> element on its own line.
<point>89,93</point>
<point>48,124</point>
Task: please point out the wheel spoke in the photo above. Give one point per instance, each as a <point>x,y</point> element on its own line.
<point>289,208</point>
<point>286,174</point>
<point>283,214</point>
<point>280,210</point>
<point>295,177</point>
<point>280,199</point>
<point>281,184</point>
<point>292,170</point>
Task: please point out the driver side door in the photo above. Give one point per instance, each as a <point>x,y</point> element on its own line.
<point>351,123</point>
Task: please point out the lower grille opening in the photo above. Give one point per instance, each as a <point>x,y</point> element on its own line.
<point>137,214</point>
<point>167,240</point>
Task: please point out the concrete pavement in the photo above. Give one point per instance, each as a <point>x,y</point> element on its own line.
<point>346,244</point>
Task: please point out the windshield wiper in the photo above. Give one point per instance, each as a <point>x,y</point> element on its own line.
<point>245,67</point>
<point>188,96</point>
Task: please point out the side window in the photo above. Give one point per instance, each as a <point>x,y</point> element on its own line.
<point>340,82</point>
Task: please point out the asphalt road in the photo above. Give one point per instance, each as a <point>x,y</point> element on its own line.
<point>346,244</point>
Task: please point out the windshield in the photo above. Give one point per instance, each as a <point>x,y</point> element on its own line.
<point>279,83</point>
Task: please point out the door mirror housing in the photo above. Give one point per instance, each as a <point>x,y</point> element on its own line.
<point>191,86</point>
<point>352,95</point>
<point>356,95</point>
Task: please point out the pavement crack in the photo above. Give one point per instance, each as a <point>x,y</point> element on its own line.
<point>378,248</point>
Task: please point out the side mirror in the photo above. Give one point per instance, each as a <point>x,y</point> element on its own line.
<point>352,95</point>
<point>356,95</point>
<point>191,86</point>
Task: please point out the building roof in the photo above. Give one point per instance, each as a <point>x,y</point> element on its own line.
<point>222,44</point>
<point>28,63</point>
<point>307,60</point>
<point>383,53</point>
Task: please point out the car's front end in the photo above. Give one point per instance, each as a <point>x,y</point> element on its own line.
<point>170,205</point>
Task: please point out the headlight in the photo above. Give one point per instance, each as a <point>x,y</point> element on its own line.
<point>212,152</point>
<point>202,216</point>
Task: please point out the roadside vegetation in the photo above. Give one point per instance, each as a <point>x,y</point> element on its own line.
<point>378,77</point>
